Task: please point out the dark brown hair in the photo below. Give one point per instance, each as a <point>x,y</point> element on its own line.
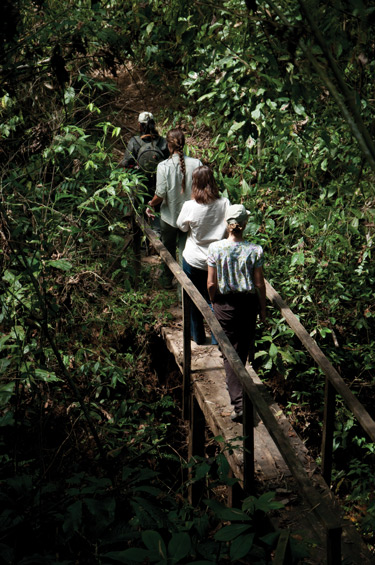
<point>149,128</point>
<point>236,228</point>
<point>204,188</point>
<point>176,139</point>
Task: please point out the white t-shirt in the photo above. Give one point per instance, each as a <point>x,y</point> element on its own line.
<point>205,224</point>
<point>168,186</point>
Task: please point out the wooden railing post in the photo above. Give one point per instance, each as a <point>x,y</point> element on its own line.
<point>186,386</point>
<point>334,546</point>
<point>283,555</point>
<point>136,250</point>
<point>235,494</point>
<point>248,445</point>
<point>328,428</point>
<point>196,448</point>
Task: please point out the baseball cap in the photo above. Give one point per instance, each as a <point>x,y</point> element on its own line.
<point>144,117</point>
<point>236,214</point>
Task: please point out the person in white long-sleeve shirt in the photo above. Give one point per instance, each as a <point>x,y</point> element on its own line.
<point>203,218</point>
<point>173,188</point>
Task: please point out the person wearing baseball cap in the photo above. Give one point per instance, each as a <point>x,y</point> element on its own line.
<point>237,291</point>
<point>147,134</point>
<point>145,117</point>
<point>143,149</point>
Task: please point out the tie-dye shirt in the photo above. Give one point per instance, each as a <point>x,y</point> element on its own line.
<point>235,262</point>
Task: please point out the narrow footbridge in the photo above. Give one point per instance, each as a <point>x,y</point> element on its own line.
<point>266,450</point>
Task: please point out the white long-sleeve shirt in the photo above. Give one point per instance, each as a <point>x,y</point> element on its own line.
<point>205,224</point>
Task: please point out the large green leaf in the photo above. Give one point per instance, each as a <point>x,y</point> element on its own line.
<point>224,513</point>
<point>73,517</point>
<point>60,264</point>
<point>6,389</point>
<point>229,533</point>
<point>179,547</point>
<point>241,546</point>
<point>154,542</point>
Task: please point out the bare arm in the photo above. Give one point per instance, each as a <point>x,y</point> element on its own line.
<point>261,288</point>
<point>154,202</point>
<point>212,283</point>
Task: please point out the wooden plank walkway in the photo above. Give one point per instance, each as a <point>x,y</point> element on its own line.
<point>271,472</point>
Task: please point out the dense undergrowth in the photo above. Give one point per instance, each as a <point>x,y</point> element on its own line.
<point>89,464</point>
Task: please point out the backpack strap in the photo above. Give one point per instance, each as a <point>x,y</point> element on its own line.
<point>139,139</point>
<point>153,141</point>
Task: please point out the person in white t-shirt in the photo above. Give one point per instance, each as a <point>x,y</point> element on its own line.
<point>173,188</point>
<point>203,217</point>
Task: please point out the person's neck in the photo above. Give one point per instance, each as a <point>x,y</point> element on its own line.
<point>235,237</point>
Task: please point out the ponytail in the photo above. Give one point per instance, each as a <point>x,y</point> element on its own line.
<point>235,228</point>
<point>176,138</point>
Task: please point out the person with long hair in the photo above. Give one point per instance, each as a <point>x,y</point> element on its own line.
<point>173,188</point>
<point>237,291</point>
<point>203,218</point>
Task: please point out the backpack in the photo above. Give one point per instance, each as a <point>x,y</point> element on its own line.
<point>149,155</point>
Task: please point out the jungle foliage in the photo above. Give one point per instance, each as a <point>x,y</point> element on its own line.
<point>88,467</point>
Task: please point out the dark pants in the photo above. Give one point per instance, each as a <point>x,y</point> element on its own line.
<point>171,237</point>
<point>237,316</point>
<point>199,278</point>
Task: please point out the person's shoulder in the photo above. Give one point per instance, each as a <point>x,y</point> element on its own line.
<point>163,164</point>
<point>216,245</point>
<point>254,246</point>
<point>223,201</point>
<point>132,141</point>
<point>193,161</point>
<point>190,203</point>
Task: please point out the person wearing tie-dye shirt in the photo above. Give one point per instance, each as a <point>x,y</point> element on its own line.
<point>237,291</point>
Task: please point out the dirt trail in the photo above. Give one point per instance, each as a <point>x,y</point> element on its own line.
<point>137,95</point>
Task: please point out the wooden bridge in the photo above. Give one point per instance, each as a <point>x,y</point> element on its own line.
<point>267,453</point>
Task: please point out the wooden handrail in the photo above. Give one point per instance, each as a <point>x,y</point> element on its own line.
<point>333,376</point>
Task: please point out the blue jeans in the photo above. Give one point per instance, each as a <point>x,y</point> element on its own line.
<point>199,278</point>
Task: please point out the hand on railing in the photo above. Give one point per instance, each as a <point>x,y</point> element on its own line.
<point>150,213</point>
